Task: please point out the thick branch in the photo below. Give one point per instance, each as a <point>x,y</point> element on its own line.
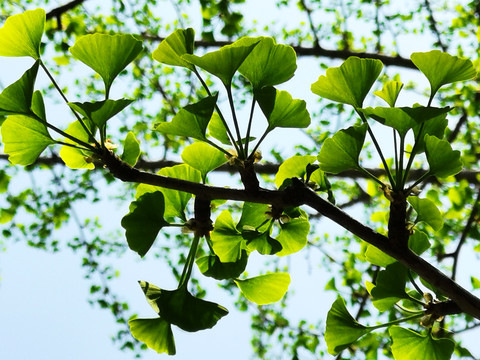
<point>59,11</point>
<point>297,195</point>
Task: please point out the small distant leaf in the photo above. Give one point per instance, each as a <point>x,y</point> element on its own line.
<point>21,35</point>
<point>131,149</point>
<point>442,160</point>
<point>390,286</point>
<point>171,50</point>
<point>427,212</point>
<point>265,289</point>
<point>144,221</point>
<point>203,157</point>
<point>192,120</point>
<point>16,99</point>
<point>24,138</point>
<point>155,333</point>
<point>349,83</point>
<point>293,167</point>
<point>269,64</point>
<point>341,152</point>
<point>217,129</point>
<point>293,235</point>
<point>106,54</point>
<point>227,241</point>
<point>225,62</point>
<point>475,282</point>
<point>76,158</point>
<point>281,110</point>
<point>390,92</point>
<point>342,329</point>
<point>211,266</point>
<point>408,344</point>
<point>441,68</point>
<point>100,111</point>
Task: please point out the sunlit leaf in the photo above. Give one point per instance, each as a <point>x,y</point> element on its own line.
<point>408,344</point>
<point>427,212</point>
<point>293,167</point>
<point>435,127</point>
<point>73,157</point>
<point>224,62</point>
<point>192,120</point>
<point>475,282</point>
<point>100,111</point>
<point>441,68</point>
<point>341,152</point>
<point>217,129</point>
<point>131,149</point>
<point>342,329</point>
<point>227,241</point>
<point>171,49</point>
<point>390,92</point>
<point>442,160</point>
<point>390,286</point>
<point>211,266</point>
<point>21,35</point>
<point>17,97</point>
<point>281,110</point>
<point>349,83</point>
<point>269,63</point>
<point>203,157</point>
<point>265,289</point>
<point>144,221</point>
<point>293,235</point>
<point>24,138</point>
<point>155,333</point>
<point>106,54</point>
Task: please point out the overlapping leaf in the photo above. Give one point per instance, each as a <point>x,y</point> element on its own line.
<point>131,149</point>
<point>390,286</point>
<point>427,212</point>
<point>265,289</point>
<point>76,158</point>
<point>99,112</point>
<point>156,333</point>
<point>211,266</point>
<point>442,160</point>
<point>390,92</point>
<point>171,50</point>
<point>227,241</point>
<point>203,157</point>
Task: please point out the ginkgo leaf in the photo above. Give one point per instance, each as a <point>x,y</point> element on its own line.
<point>265,289</point>
<point>73,157</point>
<point>131,149</point>
<point>212,266</point>
<point>427,212</point>
<point>293,167</point>
<point>293,235</point>
<point>100,111</point>
<point>227,241</point>
<point>17,97</point>
<point>442,159</point>
<point>224,62</point>
<point>408,344</point>
<point>203,157</point>
<point>349,83</point>
<point>390,286</point>
<point>156,333</point>
<point>21,35</point>
<point>390,92</point>
<point>174,46</point>
<point>341,152</point>
<point>281,110</point>
<point>441,68</point>
<point>269,64</point>
<point>106,54</point>
<point>25,139</point>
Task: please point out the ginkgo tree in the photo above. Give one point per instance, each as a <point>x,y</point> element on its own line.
<point>275,220</point>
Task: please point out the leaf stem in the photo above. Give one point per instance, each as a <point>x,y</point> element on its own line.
<point>235,123</point>
<point>187,269</point>
<point>267,131</point>
<point>250,120</point>
<point>397,321</point>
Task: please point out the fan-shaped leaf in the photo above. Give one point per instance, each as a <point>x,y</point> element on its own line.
<point>203,157</point>
<point>390,92</point>
<point>212,266</point>
<point>155,333</point>
<point>171,50</point>
<point>73,157</point>
<point>427,212</point>
<point>390,286</point>
<point>265,289</point>
<point>227,241</point>
<point>131,149</point>
<point>99,112</point>
<point>442,160</point>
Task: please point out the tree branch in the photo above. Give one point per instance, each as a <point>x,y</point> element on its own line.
<point>59,11</point>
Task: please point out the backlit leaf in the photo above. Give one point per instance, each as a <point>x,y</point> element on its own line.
<point>211,266</point>
<point>175,45</point>
<point>427,212</point>
<point>100,111</point>
<point>155,333</point>
<point>390,286</point>
<point>293,235</point>
<point>76,158</point>
<point>293,167</point>
<point>349,83</point>
<point>390,92</point>
<point>265,289</point>
<point>131,149</point>
<point>227,241</point>
<point>442,160</point>
<point>203,157</point>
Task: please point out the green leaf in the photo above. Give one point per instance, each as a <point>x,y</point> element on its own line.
<point>24,138</point>
<point>293,167</point>
<point>217,129</point>
<point>16,99</point>
<point>349,83</point>
<point>155,333</point>
<point>171,50</point>
<point>73,157</point>
<point>377,257</point>
<point>144,221</point>
<point>390,286</point>
<point>99,112</point>
<point>211,266</point>
<point>192,120</point>
<point>131,149</point>
<point>107,55</point>
<point>441,68</point>
<point>341,152</point>
<point>265,289</point>
<point>475,282</point>
<point>390,92</point>
<point>404,118</point>
<point>342,329</point>
<point>281,110</point>
<point>293,235</point>
<point>427,212</point>
<point>269,63</point>
<point>418,242</point>
<point>435,127</point>
<point>408,344</point>
<point>203,157</point>
<point>224,62</point>
<point>21,35</point>
<point>442,160</point>
<point>180,308</point>
<point>227,241</point>
<point>38,106</point>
